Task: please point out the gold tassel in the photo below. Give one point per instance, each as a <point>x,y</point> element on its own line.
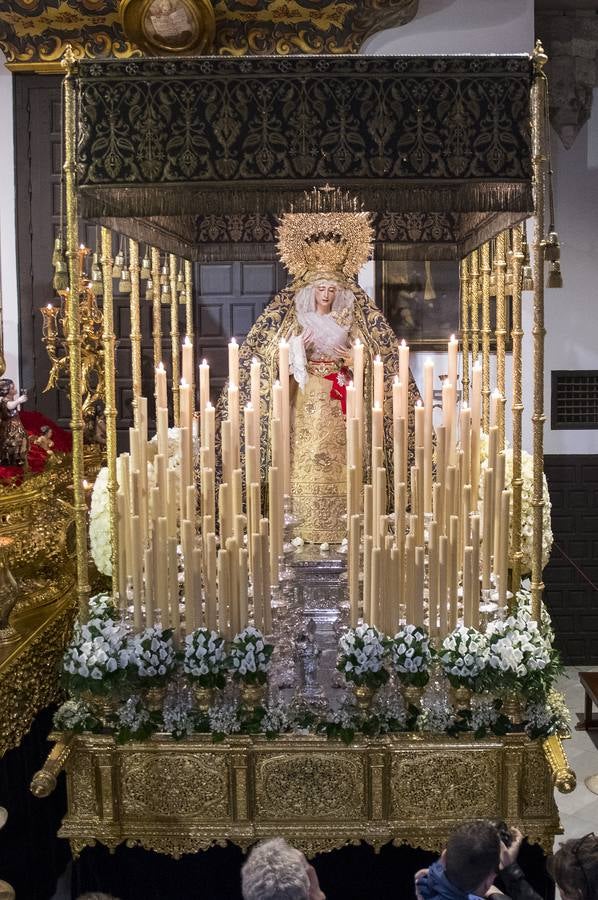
<point>555,277</point>
<point>60,282</point>
<point>117,267</point>
<point>165,294</point>
<point>124,285</point>
<point>527,283</point>
<point>149,290</point>
<point>58,253</point>
<point>144,272</point>
<point>552,247</point>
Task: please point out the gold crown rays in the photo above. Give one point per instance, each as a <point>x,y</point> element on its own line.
<point>328,239</point>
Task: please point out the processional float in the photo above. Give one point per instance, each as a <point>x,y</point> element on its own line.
<point>433,541</point>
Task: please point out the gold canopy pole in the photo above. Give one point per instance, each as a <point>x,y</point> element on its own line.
<point>135,327</point>
<point>465,303</point>
<point>517,407</point>
<point>500,264</point>
<point>475,306</point>
<point>110,387</point>
<point>174,339</point>
<point>538,100</point>
<point>156,307</point>
<point>485,270</point>
<point>188,299</point>
<point>74,331</point>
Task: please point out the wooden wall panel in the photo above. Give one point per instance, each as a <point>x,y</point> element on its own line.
<point>571,576</point>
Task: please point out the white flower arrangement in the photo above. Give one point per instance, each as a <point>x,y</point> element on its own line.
<point>436,716</point>
<point>99,515</point>
<point>484,714</point>
<point>275,719</point>
<point>152,654</point>
<point>411,654</point>
<point>204,658</point>
<point>361,656</point>
<point>133,719</point>
<point>551,716</point>
<point>527,510</point>
<point>102,606</point>
<point>464,656</point>
<point>224,719</point>
<point>517,653</point>
<point>73,715</point>
<point>96,657</point>
<point>177,715</point>
<point>249,656</point>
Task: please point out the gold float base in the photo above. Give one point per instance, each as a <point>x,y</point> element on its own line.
<point>179,797</point>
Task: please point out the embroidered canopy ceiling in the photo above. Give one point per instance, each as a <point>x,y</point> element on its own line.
<point>189,153</point>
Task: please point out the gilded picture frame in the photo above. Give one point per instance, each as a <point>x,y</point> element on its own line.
<point>421,300</point>
<point>163,27</point>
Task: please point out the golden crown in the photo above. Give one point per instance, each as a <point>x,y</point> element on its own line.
<point>326,239</point>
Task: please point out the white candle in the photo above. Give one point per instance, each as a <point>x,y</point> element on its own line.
<point>476,412</point>
<point>495,400</point>
<point>283,374</point>
<point>358,380</point>
<point>188,360</point>
<point>255,400</point>
<point>204,396</point>
<point>419,424</point>
<point>233,362</point>
<point>161,398</point>
<point>378,381</point>
<point>428,428</point>
<point>377,426</point>
<point>453,349</point>
<point>233,414</point>
<point>404,377</point>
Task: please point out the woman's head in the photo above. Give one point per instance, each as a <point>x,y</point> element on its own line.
<point>574,867</point>
<point>7,388</point>
<point>323,296</point>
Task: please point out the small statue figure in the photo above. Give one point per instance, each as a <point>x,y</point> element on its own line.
<point>307,654</point>
<point>13,437</point>
<point>44,440</point>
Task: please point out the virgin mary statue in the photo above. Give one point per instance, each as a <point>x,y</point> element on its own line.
<point>321,314</point>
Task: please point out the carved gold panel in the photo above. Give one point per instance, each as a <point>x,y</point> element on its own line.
<point>445,782</point>
<point>313,785</point>
<point>200,789</point>
<point>180,797</point>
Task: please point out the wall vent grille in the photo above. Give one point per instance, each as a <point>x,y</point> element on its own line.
<point>574,402</point>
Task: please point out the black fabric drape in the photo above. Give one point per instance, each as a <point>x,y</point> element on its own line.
<point>31,855</point>
<point>352,873</point>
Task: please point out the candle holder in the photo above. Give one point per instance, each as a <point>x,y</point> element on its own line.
<point>55,340</point>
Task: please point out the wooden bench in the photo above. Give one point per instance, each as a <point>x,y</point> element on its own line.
<point>589,681</point>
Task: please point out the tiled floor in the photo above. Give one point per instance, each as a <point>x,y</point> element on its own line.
<point>579,810</point>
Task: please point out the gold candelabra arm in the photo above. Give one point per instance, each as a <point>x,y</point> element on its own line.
<point>44,781</point>
<point>562,774</point>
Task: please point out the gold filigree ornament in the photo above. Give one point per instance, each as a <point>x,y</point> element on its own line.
<point>163,27</point>
<point>327,240</point>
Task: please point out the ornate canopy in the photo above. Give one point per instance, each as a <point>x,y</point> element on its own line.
<point>187,153</point>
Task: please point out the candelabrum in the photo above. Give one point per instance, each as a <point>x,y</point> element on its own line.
<point>55,337</point>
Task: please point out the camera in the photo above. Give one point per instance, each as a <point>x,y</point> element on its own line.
<point>503,831</point>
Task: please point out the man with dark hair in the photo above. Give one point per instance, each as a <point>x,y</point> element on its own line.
<point>473,857</point>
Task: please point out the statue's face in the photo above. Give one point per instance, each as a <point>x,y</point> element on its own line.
<point>325,294</point>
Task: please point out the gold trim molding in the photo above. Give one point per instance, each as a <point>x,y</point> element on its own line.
<point>34,33</point>
<point>179,797</point>
<point>29,668</point>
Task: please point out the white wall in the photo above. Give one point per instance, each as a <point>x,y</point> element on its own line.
<point>461,26</point>
<point>572,312</point>
<point>8,261</point>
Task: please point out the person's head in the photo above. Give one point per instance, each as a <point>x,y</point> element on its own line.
<point>276,871</point>
<point>472,857</point>
<point>96,895</point>
<point>574,867</point>
<point>324,295</point>
<point>7,388</point>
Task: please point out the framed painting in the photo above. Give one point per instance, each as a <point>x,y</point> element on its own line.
<point>421,300</point>
<point>161,27</point>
